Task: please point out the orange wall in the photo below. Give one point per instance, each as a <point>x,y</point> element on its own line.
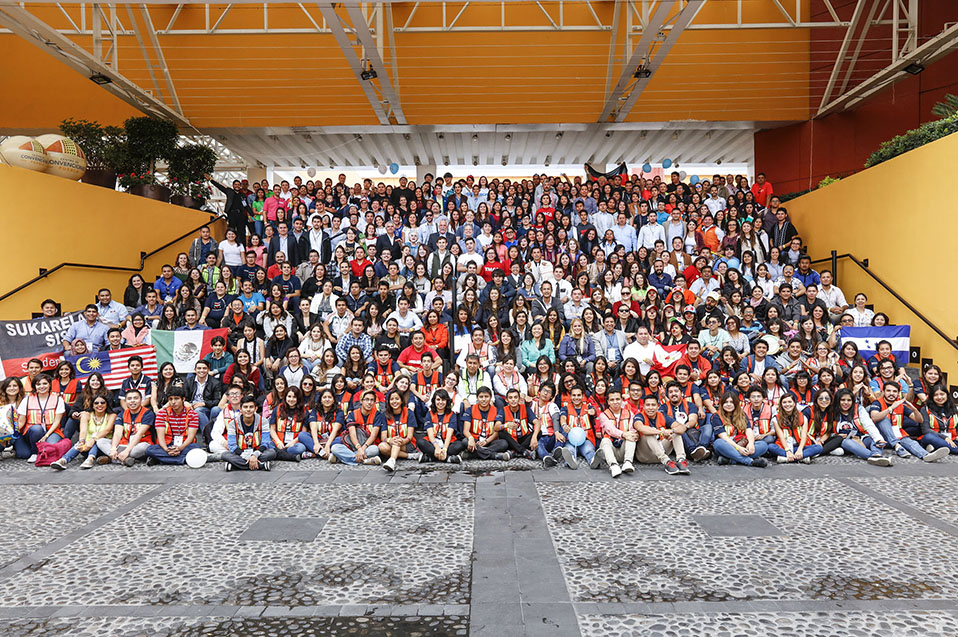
<point>94,225</point>
<point>905,234</point>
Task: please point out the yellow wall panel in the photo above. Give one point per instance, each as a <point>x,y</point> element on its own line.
<point>908,238</point>
<point>93,225</point>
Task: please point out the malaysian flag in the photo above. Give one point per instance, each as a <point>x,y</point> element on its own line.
<point>112,364</point>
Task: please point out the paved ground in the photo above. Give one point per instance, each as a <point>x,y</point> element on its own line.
<point>834,548</point>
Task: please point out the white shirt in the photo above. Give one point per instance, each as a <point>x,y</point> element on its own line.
<point>649,234</point>
<point>644,354</point>
<point>714,205</point>
<point>833,296</point>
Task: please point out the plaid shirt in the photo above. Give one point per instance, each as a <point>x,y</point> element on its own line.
<point>347,340</point>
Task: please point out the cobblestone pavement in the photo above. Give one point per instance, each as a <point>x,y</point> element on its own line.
<point>833,548</point>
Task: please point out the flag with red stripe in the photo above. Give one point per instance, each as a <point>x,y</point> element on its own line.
<point>113,364</point>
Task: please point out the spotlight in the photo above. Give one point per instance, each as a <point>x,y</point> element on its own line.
<point>508,137</point>
<point>642,73</point>
<point>475,138</point>
<point>559,135</point>
<point>914,68</point>
<point>505,159</point>
<point>368,74</point>
<point>608,133</point>
<point>99,78</point>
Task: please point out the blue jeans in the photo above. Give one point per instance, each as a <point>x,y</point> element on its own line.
<point>70,427</point>
<point>306,439</point>
<point>545,446</point>
<point>158,453</point>
<point>348,456</point>
<point>863,451</point>
<point>290,452</point>
<point>724,448</point>
<point>26,445</point>
<point>73,452</point>
<point>586,449</point>
<point>937,441</point>
<point>705,432</point>
<point>808,451</point>
<point>910,444</point>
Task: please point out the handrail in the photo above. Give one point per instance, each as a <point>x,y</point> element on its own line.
<point>863,264</point>
<point>44,272</point>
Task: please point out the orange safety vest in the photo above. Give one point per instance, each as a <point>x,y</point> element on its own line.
<point>482,427</point>
<point>897,416</point>
<point>658,423</point>
<point>130,423</point>
<point>580,418</point>
<point>426,386</point>
<point>394,426</point>
<point>761,424</point>
<point>248,439</point>
<point>384,376</point>
<point>518,420</point>
<point>682,407</point>
<point>943,425</point>
<point>324,424</point>
<point>441,425</point>
<point>739,437</point>
<point>796,431</point>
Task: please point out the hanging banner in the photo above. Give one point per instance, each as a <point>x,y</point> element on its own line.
<point>37,338</point>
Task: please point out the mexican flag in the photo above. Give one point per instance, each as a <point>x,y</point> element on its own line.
<point>183,347</point>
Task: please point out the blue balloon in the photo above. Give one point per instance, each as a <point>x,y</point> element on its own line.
<point>646,168</point>
<point>666,163</point>
<point>394,168</point>
<point>694,179</point>
<point>577,436</point>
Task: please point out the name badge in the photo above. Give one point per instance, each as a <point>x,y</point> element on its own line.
<point>177,441</point>
<point>288,438</point>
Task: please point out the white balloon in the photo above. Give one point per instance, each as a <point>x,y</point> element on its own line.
<point>382,170</point>
<point>311,171</point>
<point>682,174</point>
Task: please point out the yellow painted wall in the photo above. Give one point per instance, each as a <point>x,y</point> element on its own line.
<point>892,215</point>
<point>72,222</point>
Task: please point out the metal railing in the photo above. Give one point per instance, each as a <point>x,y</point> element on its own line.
<point>863,264</point>
<point>45,272</point>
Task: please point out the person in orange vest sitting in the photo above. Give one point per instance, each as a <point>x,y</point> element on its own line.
<point>396,436</point>
<point>478,346</point>
<point>889,413</point>
<point>384,368</point>
<point>518,427</point>
<point>248,440</point>
<point>791,430</point>
<point>658,440</point>
<point>619,437</point>
<point>132,431</point>
<point>358,444</point>
<point>479,425</point>
<point>712,233</point>
<point>939,420</point>
<point>735,439</point>
<point>579,413</point>
<point>441,438</point>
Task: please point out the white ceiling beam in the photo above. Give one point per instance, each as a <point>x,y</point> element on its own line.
<point>929,52</point>
<point>652,64</point>
<point>637,57</point>
<point>160,58</point>
<point>853,26</point>
<point>362,32</point>
<point>24,24</point>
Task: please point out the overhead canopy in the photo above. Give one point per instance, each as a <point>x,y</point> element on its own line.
<point>252,71</point>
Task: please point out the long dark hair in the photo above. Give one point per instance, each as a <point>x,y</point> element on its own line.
<point>285,411</point>
<point>88,393</point>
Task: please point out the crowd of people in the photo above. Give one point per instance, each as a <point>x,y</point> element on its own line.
<point>491,319</point>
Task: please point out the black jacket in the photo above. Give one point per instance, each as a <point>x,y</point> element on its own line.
<point>212,392</point>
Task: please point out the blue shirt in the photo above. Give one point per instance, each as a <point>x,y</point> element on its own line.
<point>167,291</point>
<point>252,303</point>
<point>94,336</point>
<point>112,313</point>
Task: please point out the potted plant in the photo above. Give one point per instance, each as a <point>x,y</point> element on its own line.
<point>186,167</point>
<point>103,147</point>
<point>147,140</point>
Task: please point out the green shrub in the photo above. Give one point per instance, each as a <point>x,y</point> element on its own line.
<point>927,132</point>
<point>828,181</point>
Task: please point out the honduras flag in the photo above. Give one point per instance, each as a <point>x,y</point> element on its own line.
<point>867,339</point>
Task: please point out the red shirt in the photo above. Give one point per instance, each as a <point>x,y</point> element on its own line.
<point>491,266</point>
<point>412,358</point>
<point>176,424</point>
<point>762,193</point>
<point>359,266</point>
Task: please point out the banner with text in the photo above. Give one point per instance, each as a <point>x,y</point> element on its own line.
<point>37,338</point>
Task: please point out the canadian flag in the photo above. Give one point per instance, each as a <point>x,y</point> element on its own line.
<point>666,357</point>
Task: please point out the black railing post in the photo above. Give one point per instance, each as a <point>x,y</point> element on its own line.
<point>835,266</point>
<point>452,323</point>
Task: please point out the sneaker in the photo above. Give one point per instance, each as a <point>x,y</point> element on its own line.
<point>59,465</point>
<point>306,455</point>
<point>389,465</point>
<point>32,459</point>
<point>761,463</point>
<point>557,453</point>
<point>901,451</point>
<point>88,463</point>
<point>417,456</point>
<point>549,461</point>
<point>529,454</point>
<point>422,458</point>
<point>929,448</point>
<point>671,468</point>
<point>375,461</point>
<point>616,471</point>
<point>806,461</point>
<point>505,456</point>
<point>297,457</point>
<point>104,459</point>
<point>781,459</point>
<point>265,466</point>
<point>627,467</point>
<point>456,459</point>
<point>724,460</point>
<point>684,467</point>
<point>596,462</point>
<point>879,461</point>
<point>333,459</point>
<point>837,452</point>
<point>937,454</point>
<point>229,466</point>
<point>151,461</point>
<point>569,458</point>
<point>215,457</point>
<point>700,453</point>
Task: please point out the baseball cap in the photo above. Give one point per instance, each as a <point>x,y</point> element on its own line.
<point>690,308</point>
<point>715,296</point>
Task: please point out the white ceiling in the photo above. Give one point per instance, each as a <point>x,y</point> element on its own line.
<point>536,144</point>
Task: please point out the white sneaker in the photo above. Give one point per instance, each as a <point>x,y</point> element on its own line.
<point>32,459</point>
<point>390,465</point>
<point>781,459</point>
<point>88,463</point>
<point>837,452</point>
<point>616,471</point>
<point>937,454</point>
<point>627,467</point>
<point>374,461</point>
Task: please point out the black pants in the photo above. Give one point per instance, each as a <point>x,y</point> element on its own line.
<point>519,447</point>
<point>455,447</point>
<point>491,449</point>
<point>830,445</point>
<point>237,460</point>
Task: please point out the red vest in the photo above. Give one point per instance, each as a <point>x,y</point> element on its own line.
<point>481,427</point>
<point>441,425</point>
<point>396,426</point>
<point>518,420</point>
<point>130,423</point>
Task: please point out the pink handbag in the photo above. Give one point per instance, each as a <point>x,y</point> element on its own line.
<point>48,453</point>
